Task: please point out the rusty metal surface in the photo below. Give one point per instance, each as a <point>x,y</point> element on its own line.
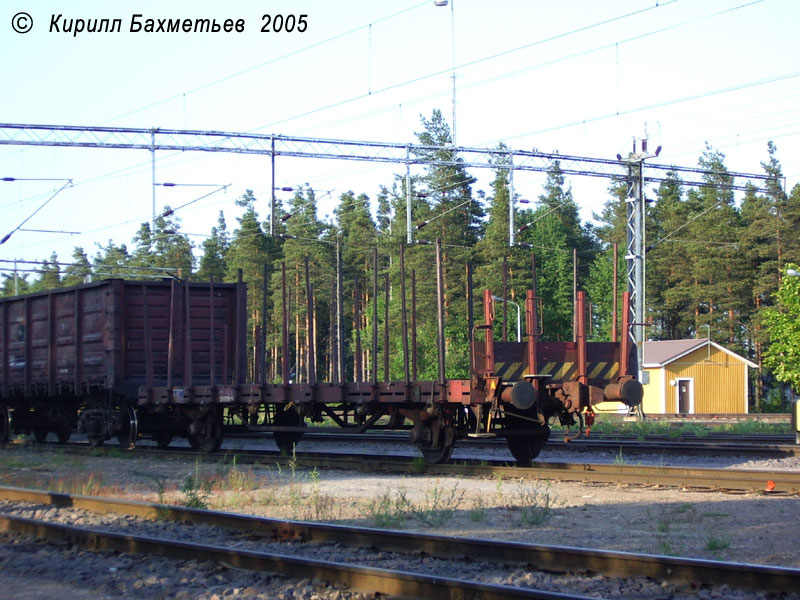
<point>555,558</point>
<point>116,335</point>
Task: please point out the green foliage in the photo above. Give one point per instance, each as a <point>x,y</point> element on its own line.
<point>49,275</point>
<point>783,328</point>
<point>387,510</point>
<point>80,268</point>
<point>213,262</point>
<point>438,506</point>
<point>715,545</point>
<point>196,489</point>
<point>536,503</point>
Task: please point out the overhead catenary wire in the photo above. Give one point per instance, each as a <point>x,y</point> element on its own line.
<point>41,206</point>
<point>569,33</point>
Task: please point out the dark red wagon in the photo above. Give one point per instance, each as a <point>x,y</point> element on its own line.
<point>75,358</point>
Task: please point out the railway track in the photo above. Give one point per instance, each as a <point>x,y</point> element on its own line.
<point>729,480</point>
<point>364,577</point>
<point>767,446</point>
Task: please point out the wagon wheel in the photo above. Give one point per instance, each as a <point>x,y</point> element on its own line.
<point>211,438</point>
<point>163,439</point>
<point>63,433</point>
<point>441,453</point>
<point>286,440</point>
<point>128,431</point>
<point>40,434</point>
<point>67,419</point>
<point>5,423</point>
<point>524,448</point>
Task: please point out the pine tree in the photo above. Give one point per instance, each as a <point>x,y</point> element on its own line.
<point>213,264</point>
<point>670,263</point>
<point>49,275</point>
<point>719,290</point>
<point>162,247</point>
<point>15,284</point>
<point>600,285</point>
<point>248,252</point>
<point>306,236</point>
<point>109,257</point>
<point>77,272</point>
<point>448,212</point>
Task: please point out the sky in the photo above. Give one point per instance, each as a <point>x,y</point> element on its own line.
<point>578,77</point>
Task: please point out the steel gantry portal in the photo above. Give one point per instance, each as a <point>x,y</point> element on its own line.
<point>634,169</point>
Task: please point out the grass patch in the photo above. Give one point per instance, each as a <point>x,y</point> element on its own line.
<point>715,545</point>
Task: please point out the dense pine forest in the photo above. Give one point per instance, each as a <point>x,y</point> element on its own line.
<point>714,264</point>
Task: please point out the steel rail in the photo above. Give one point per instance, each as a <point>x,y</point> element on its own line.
<point>551,558</point>
<point>662,444</point>
<point>739,480</point>
<point>732,480</point>
<point>395,583</point>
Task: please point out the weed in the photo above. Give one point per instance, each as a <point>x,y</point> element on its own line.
<point>160,481</point>
<point>234,478</point>
<point>715,545</point>
<point>18,462</point>
<point>196,489</point>
<point>84,486</point>
<point>267,497</point>
<point>674,434</point>
<point>478,510</point>
<point>293,462</point>
<point>224,467</point>
<point>295,490</point>
<point>418,465</point>
<point>715,514</point>
<point>535,503</point>
<point>386,511</point>
<point>666,549</point>
<point>498,487</point>
<point>116,452</point>
<point>59,458</point>
<point>320,505</point>
<point>694,429</point>
<point>619,460</point>
<point>438,507</point>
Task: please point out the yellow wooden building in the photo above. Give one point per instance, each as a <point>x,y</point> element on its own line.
<point>693,376</point>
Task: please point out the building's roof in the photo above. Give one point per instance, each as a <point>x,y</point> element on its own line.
<point>658,354</point>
